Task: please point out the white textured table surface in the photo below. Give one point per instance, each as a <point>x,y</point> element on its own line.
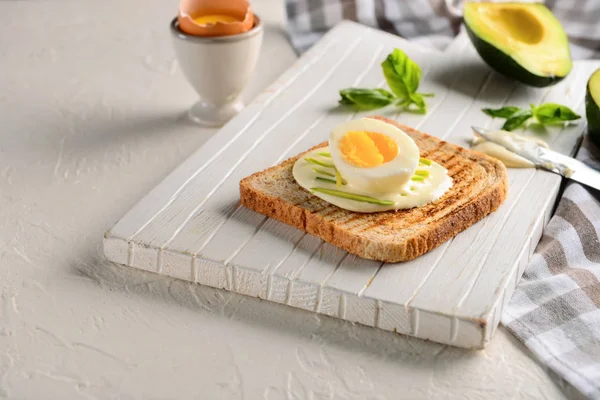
<point>90,116</point>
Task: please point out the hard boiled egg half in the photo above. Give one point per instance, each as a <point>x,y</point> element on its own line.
<point>372,155</point>
<point>370,166</point>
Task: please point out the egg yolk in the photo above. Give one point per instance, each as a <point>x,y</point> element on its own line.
<point>213,19</point>
<point>368,149</point>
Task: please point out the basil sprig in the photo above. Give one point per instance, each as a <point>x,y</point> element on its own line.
<point>545,114</point>
<point>402,75</point>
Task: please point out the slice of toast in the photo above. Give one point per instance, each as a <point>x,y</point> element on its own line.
<point>480,186</point>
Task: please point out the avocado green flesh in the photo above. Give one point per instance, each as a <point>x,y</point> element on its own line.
<point>594,86</point>
<point>592,106</point>
<point>523,41</point>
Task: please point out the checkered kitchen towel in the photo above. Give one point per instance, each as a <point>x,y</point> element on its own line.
<point>555,310</point>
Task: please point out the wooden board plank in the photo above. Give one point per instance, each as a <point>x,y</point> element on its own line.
<point>305,290</point>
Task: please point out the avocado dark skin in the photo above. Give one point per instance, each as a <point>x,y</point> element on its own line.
<point>592,113</point>
<point>492,56</point>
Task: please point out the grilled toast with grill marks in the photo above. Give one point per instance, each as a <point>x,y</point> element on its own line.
<point>479,186</point>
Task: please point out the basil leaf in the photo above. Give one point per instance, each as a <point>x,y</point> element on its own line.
<point>517,120</point>
<point>401,73</point>
<point>366,99</point>
<point>504,112</point>
<point>551,113</point>
<point>419,101</point>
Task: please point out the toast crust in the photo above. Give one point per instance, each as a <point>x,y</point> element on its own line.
<point>480,186</point>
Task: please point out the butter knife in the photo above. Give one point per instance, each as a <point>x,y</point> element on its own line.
<point>545,158</point>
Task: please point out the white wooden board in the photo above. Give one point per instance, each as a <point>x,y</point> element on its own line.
<point>192,227</point>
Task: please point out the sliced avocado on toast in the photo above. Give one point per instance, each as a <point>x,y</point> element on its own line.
<point>592,106</point>
<point>522,40</point>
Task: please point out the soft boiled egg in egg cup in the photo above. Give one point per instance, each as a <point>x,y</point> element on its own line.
<point>217,45</point>
<point>371,166</point>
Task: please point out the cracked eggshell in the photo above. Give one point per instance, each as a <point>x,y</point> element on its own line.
<point>240,9</point>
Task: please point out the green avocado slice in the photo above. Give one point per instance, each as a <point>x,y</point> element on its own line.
<point>522,40</point>
<point>592,106</point>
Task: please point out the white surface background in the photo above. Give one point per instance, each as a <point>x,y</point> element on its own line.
<point>91,104</point>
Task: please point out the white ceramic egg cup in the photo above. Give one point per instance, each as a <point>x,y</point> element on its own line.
<point>218,68</point>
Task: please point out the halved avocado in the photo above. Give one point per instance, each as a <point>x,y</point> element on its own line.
<point>592,106</point>
<point>522,40</point>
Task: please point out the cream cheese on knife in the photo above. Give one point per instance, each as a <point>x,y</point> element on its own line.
<point>513,142</point>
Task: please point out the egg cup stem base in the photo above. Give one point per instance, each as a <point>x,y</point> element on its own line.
<point>206,114</point>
